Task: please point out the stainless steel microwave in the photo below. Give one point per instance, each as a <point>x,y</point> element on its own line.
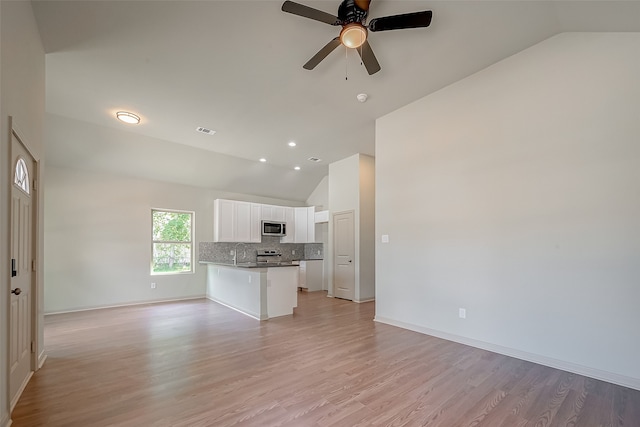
<point>274,228</point>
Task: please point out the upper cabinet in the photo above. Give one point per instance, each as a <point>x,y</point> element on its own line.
<point>236,221</point>
<point>273,213</point>
<point>290,220</point>
<point>224,220</point>
<point>305,225</point>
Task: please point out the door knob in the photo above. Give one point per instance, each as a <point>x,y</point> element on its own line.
<point>16,291</point>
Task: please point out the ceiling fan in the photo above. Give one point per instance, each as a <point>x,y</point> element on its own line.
<point>352,16</point>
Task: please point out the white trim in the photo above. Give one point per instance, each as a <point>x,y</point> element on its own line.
<point>41,359</point>
<point>19,392</point>
<point>125,305</point>
<point>191,242</point>
<point>360,301</point>
<point>598,374</point>
<point>252,315</point>
<point>6,422</point>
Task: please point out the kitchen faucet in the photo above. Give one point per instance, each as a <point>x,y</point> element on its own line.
<point>235,253</point>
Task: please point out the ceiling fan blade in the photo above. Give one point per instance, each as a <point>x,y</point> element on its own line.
<point>318,57</point>
<point>399,22</point>
<point>309,12</point>
<point>368,58</point>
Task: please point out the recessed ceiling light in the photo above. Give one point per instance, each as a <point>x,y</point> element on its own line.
<point>125,116</point>
<point>263,160</point>
<point>297,168</point>
<point>292,144</point>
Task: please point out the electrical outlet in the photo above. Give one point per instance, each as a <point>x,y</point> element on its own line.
<point>318,253</point>
<point>153,285</point>
<point>462,312</point>
<point>293,252</point>
<point>231,253</point>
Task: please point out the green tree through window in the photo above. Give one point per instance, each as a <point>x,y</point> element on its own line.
<point>172,242</point>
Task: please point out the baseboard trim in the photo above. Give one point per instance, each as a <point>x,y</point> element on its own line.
<point>41,359</point>
<point>252,315</point>
<point>594,373</point>
<point>360,301</point>
<point>102,307</point>
<point>6,421</point>
<point>15,399</point>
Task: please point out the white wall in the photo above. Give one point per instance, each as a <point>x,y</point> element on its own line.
<point>320,196</point>
<point>514,194</point>
<point>367,239</point>
<point>98,238</point>
<point>22,97</point>
<point>352,188</point>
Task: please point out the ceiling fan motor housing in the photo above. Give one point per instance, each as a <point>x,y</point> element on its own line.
<point>349,12</point>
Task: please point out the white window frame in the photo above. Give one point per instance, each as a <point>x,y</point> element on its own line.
<point>191,242</point>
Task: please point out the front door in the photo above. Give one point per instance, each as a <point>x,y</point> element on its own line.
<point>21,267</point>
<point>343,256</point>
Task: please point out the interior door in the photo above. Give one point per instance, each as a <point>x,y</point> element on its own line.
<point>21,266</point>
<point>343,256</point>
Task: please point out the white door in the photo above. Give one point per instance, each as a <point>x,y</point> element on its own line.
<point>343,256</point>
<point>21,265</point>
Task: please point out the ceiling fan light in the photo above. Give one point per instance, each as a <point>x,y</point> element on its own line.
<point>353,35</point>
<point>125,116</point>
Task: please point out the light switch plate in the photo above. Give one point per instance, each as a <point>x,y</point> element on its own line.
<point>385,238</point>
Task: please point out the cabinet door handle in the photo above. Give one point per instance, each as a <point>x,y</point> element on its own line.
<point>14,273</point>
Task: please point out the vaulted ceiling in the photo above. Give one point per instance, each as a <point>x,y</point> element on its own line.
<point>236,67</point>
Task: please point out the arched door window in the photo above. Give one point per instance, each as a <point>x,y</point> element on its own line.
<point>21,178</point>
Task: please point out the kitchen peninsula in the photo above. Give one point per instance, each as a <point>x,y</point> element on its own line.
<point>260,292</point>
<point>252,280</point>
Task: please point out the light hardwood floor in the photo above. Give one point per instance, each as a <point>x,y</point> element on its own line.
<point>197,363</point>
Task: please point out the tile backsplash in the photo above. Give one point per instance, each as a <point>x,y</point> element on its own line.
<point>223,251</point>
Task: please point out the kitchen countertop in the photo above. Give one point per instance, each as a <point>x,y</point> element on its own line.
<point>253,264</point>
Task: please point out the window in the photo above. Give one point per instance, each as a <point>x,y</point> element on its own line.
<point>21,178</point>
<point>172,242</point>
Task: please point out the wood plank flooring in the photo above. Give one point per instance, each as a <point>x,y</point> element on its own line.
<point>197,363</point>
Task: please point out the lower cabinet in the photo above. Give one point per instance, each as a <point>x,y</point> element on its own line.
<point>311,275</point>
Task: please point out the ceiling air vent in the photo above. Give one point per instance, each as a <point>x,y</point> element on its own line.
<point>205,130</point>
<point>314,159</point>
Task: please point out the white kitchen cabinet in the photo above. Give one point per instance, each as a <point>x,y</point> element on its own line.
<point>256,222</point>
<point>273,213</point>
<point>236,221</point>
<point>305,225</point>
<point>310,275</point>
<point>289,219</point>
<point>267,213</point>
<point>242,226</point>
<point>279,213</point>
<point>300,225</point>
<point>223,220</point>
<point>322,216</point>
<point>311,224</point>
